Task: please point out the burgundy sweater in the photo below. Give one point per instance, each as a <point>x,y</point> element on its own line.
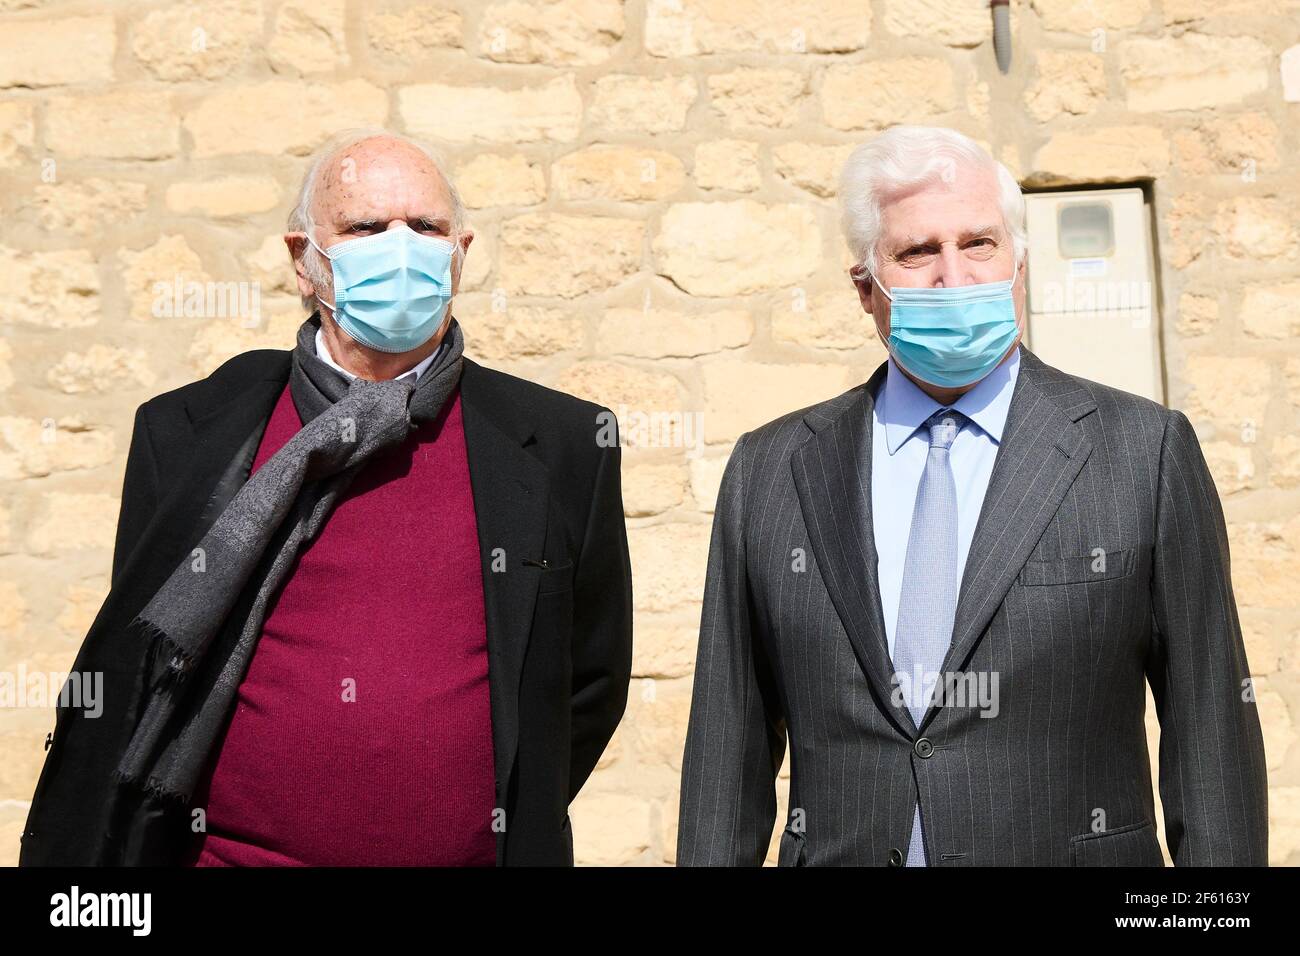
<point>362,732</point>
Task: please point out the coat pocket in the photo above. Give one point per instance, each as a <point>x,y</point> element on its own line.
<point>556,578</point>
<point>1132,845</point>
<point>1078,569</point>
<point>791,850</point>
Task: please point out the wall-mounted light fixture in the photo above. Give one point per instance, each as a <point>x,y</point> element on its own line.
<point>1002,32</point>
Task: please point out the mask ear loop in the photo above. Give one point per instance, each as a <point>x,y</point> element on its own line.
<point>333,309</point>
<point>457,253</point>
<point>878,284</point>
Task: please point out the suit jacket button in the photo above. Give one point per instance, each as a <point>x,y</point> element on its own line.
<point>895,857</point>
<point>923,747</point>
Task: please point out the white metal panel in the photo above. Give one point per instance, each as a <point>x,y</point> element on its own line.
<point>1092,308</point>
<point>1113,348</point>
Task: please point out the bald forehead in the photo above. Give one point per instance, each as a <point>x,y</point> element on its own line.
<point>380,179</point>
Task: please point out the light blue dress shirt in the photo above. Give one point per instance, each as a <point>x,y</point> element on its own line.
<point>898,454</point>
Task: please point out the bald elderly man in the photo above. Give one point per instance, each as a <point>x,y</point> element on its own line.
<point>371,601</point>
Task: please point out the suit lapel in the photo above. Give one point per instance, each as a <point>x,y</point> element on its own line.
<point>231,436</point>
<point>510,493</point>
<point>227,427</point>
<point>832,476</point>
<point>1041,454</point>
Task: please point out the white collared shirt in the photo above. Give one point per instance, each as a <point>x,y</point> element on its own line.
<point>414,374</point>
<point>898,455</point>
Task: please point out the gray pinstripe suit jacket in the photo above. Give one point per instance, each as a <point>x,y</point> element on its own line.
<point>1060,776</point>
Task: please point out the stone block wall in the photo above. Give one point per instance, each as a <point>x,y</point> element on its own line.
<point>652,184</point>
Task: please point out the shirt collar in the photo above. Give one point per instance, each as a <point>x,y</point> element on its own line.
<point>903,407</point>
<point>322,353</point>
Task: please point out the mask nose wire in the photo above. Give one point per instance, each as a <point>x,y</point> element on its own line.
<point>332,307</point>
<point>1015,274</point>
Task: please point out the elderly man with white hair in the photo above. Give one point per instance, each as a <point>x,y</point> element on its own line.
<point>371,601</point>
<point>948,586</point>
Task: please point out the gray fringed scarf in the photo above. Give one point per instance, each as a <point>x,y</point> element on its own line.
<point>253,543</point>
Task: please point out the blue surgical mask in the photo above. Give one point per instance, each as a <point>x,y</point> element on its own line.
<point>951,336</point>
<point>391,289</point>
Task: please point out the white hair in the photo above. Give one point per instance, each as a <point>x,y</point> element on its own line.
<point>317,266</point>
<point>906,156</point>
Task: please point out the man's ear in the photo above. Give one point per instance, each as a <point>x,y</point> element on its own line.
<point>297,245</point>
<point>464,240</point>
<point>863,285</point>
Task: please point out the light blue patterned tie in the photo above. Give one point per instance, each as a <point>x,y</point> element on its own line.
<point>927,606</point>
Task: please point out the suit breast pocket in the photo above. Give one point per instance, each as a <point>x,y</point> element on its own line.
<point>1132,845</point>
<point>1099,565</point>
